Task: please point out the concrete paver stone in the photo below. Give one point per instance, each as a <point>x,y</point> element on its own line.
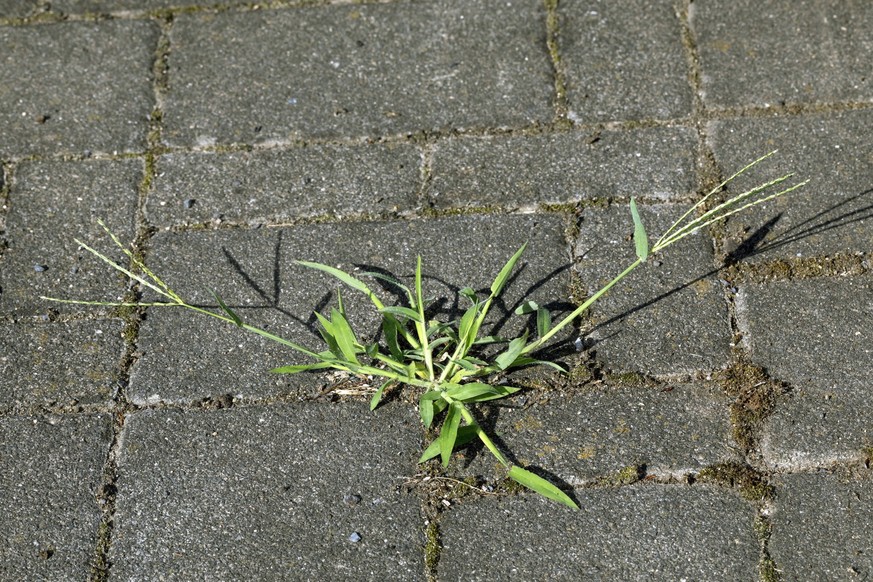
<point>50,471</point>
<point>51,203</point>
<point>666,432</point>
<point>268,492</point>
<point>823,527</point>
<point>36,369</point>
<point>275,186</point>
<point>786,52</point>
<point>362,70</point>
<point>832,214</point>
<point>563,167</point>
<point>624,61</point>
<point>817,336</point>
<point>632,533</point>
<point>74,87</point>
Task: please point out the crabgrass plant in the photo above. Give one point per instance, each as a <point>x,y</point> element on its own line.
<point>443,360</point>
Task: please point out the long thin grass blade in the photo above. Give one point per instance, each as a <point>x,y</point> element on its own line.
<point>230,313</point>
<point>449,432</point>
<point>503,275</point>
<point>539,485</point>
<point>345,278</point>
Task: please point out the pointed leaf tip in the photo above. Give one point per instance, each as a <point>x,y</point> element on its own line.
<point>641,240</point>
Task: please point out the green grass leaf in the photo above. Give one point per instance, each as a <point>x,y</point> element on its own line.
<point>641,240</point>
<point>503,275</point>
<point>377,397</point>
<point>230,313</point>
<point>544,321</point>
<point>507,358</point>
<point>465,435</point>
<point>426,411</point>
<point>344,336</point>
<point>301,368</point>
<point>539,485</point>
<point>479,392</point>
<point>449,432</point>
<point>345,278</point>
<point>526,307</point>
<point>404,311</point>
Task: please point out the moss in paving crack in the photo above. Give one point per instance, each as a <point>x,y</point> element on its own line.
<point>839,264</point>
<point>751,485</point>
<point>432,548</point>
<point>766,566</point>
<point>629,379</point>
<point>755,396</point>
<point>552,31</point>
<point>625,476</point>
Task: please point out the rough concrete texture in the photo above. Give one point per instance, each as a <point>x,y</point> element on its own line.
<point>274,186</point>
<point>817,336</point>
<point>833,214</point>
<point>18,8</point>
<point>36,370</point>
<point>630,533</point>
<point>783,53</point>
<point>359,70</point>
<point>75,87</point>
<point>624,61</point>
<point>276,493</point>
<point>524,171</point>
<point>642,324</point>
<point>666,431</point>
<point>70,197</point>
<point>50,474</point>
<point>823,526</point>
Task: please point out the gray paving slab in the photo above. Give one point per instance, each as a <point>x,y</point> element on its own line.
<point>18,8</point>
<point>666,317</point>
<point>816,336</point>
<point>624,61</point>
<point>72,87</point>
<point>832,214</point>
<point>109,6</point>
<point>344,71</point>
<point>783,53</point>
<point>823,527</point>
<point>277,185</point>
<point>185,357</point>
<point>672,430</point>
<point>50,204</point>
<point>36,368</point>
<point>50,471</point>
<point>268,493</point>
<point>563,167</point>
<point>652,532</point>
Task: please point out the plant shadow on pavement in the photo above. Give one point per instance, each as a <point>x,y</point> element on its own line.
<point>754,244</point>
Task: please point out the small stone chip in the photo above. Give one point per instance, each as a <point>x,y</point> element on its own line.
<point>355,537</point>
<point>40,268</point>
<point>188,203</point>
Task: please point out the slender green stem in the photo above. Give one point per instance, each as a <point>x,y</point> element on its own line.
<point>480,432</point>
<point>579,310</point>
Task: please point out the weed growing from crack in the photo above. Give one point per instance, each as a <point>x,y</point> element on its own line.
<point>443,360</point>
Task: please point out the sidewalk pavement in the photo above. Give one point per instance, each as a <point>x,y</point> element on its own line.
<point>716,425</point>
